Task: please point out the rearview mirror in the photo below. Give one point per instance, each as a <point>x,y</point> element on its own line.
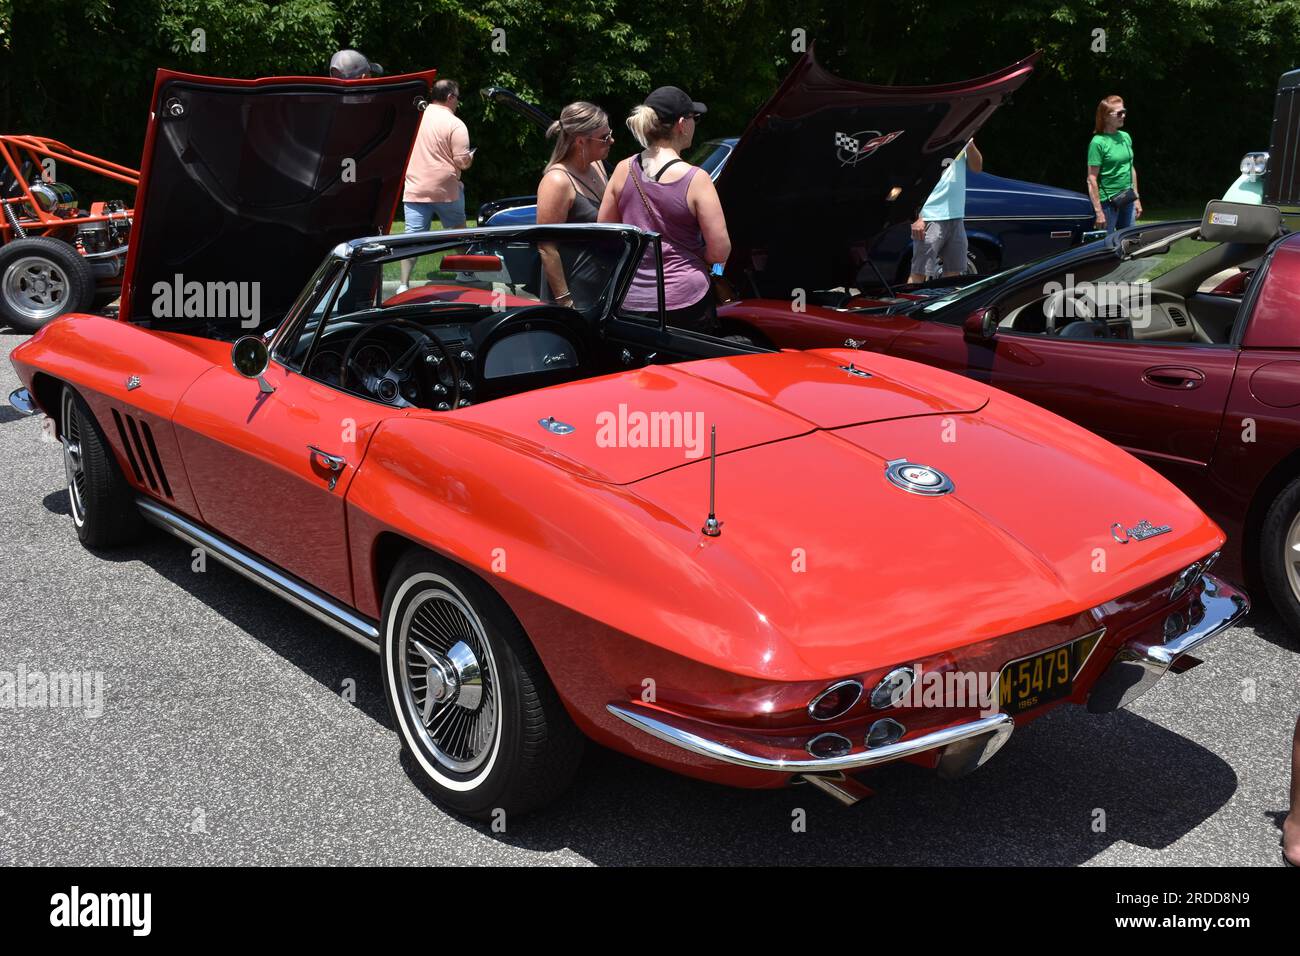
<point>472,263</point>
<point>981,325</point>
<point>251,357</point>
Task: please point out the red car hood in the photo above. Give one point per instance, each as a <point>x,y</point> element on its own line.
<point>254,181</point>
<point>828,164</point>
<point>635,424</point>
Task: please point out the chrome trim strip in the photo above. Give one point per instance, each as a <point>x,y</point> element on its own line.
<point>21,399</point>
<point>997,728</point>
<point>1066,216</point>
<point>306,598</point>
<point>1137,666</point>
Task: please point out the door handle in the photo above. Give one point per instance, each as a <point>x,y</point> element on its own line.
<point>1174,377</point>
<point>335,463</point>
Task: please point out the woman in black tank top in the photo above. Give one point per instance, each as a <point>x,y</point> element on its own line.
<point>570,191</point>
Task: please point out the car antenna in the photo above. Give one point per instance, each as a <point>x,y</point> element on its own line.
<point>712,526</point>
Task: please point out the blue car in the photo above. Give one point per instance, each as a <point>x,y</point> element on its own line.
<point>1008,221</point>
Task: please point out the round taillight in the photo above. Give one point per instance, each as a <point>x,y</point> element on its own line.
<point>829,745</point>
<point>884,732</point>
<point>835,700</point>
<point>893,687</point>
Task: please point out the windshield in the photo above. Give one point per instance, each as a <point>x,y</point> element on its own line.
<point>479,273</point>
<point>493,272</point>
<point>1166,247</point>
<point>975,288</point>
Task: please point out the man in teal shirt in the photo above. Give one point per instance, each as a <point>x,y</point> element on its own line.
<point>939,232</point>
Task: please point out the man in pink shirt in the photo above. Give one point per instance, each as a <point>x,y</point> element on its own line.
<point>440,153</point>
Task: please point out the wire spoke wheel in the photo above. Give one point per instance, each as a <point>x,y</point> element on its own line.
<point>73,463</point>
<point>449,682</point>
<point>467,692</point>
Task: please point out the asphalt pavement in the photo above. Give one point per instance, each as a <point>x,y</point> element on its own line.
<point>233,729</point>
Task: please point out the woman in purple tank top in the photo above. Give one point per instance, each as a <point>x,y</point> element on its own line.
<point>658,191</point>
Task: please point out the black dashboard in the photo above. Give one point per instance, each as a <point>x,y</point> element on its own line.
<point>433,361</point>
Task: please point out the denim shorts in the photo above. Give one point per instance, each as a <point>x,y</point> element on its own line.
<point>419,215</point>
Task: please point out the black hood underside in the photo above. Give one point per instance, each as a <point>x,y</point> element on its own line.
<point>827,165</point>
<point>252,183</point>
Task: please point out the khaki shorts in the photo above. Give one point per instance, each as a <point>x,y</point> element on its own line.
<point>942,250</point>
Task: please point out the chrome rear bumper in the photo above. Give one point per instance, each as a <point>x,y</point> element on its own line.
<point>961,748</point>
<point>1138,665</point>
<point>964,746</point>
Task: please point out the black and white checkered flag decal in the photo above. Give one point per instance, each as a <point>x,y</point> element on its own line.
<point>845,141</point>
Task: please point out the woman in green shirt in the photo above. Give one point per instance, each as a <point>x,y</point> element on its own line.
<point>1112,177</point>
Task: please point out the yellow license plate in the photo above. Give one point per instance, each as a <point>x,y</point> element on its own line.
<point>1046,676</point>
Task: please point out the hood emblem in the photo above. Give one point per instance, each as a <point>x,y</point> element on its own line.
<point>916,478</point>
<point>851,150</point>
<point>133,383</point>
<point>1139,532</point>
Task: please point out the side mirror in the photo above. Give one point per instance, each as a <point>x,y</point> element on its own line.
<point>981,325</point>
<point>251,357</point>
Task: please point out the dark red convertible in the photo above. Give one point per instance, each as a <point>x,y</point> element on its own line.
<point>1180,342</point>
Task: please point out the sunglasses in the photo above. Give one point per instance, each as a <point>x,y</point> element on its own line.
<point>606,139</point>
<point>1119,112</point>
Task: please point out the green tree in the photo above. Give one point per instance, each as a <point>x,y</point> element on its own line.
<point>1197,75</point>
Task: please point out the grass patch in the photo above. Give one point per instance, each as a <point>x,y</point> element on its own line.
<point>1174,211</point>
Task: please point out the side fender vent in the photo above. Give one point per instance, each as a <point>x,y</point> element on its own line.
<point>142,453</point>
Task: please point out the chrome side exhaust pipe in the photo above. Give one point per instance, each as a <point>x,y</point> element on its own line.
<point>842,788</point>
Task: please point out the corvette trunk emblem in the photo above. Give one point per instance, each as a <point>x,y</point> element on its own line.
<point>1139,532</point>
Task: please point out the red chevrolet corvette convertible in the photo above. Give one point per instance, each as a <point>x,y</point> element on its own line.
<point>556,523</point>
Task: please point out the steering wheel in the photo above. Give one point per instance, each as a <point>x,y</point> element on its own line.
<point>1069,307</point>
<point>388,387</point>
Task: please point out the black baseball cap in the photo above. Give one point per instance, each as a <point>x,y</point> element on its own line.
<point>352,65</point>
<point>672,104</point>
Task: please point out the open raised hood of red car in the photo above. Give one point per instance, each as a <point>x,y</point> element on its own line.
<point>254,181</point>
<point>828,164</point>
